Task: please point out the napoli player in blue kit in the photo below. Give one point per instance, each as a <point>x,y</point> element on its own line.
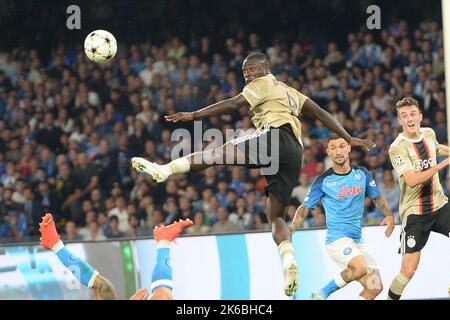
<point>342,190</point>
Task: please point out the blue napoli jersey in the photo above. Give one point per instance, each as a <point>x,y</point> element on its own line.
<point>342,197</point>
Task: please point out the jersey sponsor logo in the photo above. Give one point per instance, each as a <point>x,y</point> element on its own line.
<point>423,164</point>
<point>345,192</point>
<point>411,242</point>
<point>347,251</point>
<point>398,161</point>
<point>357,177</point>
<point>331,184</point>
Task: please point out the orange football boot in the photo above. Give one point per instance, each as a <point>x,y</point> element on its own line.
<point>49,235</point>
<point>172,231</point>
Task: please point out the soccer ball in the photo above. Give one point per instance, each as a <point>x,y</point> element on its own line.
<point>100,46</point>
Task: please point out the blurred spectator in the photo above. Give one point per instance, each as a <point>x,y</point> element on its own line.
<point>114,230</point>
<point>261,223</point>
<point>48,200</point>
<point>135,228</point>
<point>32,210</point>
<point>309,163</point>
<point>390,190</point>
<point>95,234</point>
<point>156,219</point>
<point>121,213</point>
<point>318,218</point>
<point>223,225</point>
<point>440,127</point>
<point>172,211</point>
<point>49,135</point>
<point>71,232</point>
<point>199,226</point>
<point>185,208</point>
<point>240,216</point>
<point>300,191</point>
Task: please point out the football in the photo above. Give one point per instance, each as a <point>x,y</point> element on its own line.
<point>100,46</point>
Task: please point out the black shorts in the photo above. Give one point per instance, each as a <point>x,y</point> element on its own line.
<point>416,229</point>
<point>279,155</point>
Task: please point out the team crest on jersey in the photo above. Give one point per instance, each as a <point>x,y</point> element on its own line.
<point>398,161</point>
<point>357,176</point>
<point>373,184</point>
<point>411,242</point>
<point>347,251</point>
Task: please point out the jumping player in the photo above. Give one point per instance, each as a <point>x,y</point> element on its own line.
<point>276,108</point>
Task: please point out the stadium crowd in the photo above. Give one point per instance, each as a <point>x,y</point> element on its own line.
<point>69,127</point>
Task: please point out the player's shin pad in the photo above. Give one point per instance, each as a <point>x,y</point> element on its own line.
<point>397,286</point>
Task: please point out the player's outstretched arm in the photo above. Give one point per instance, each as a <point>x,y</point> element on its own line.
<point>389,220</point>
<point>222,107</point>
<point>299,217</point>
<point>413,179</point>
<point>82,270</point>
<point>310,108</point>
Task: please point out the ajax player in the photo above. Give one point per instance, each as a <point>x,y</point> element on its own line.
<point>423,205</point>
<point>276,108</point>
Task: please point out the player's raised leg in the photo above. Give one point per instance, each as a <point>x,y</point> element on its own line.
<point>196,161</point>
<point>162,273</point>
<point>410,261</point>
<point>83,271</point>
<point>282,237</point>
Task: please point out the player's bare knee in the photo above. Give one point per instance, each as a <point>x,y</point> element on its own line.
<point>373,285</point>
<point>359,272</point>
<point>277,220</point>
<point>358,268</point>
<point>408,271</point>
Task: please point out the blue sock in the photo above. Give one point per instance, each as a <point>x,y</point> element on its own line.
<point>335,284</point>
<point>79,268</point>
<point>162,273</point>
<point>330,288</point>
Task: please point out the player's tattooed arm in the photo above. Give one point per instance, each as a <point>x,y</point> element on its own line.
<point>299,217</point>
<point>389,220</point>
<point>382,205</point>
<point>104,289</point>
